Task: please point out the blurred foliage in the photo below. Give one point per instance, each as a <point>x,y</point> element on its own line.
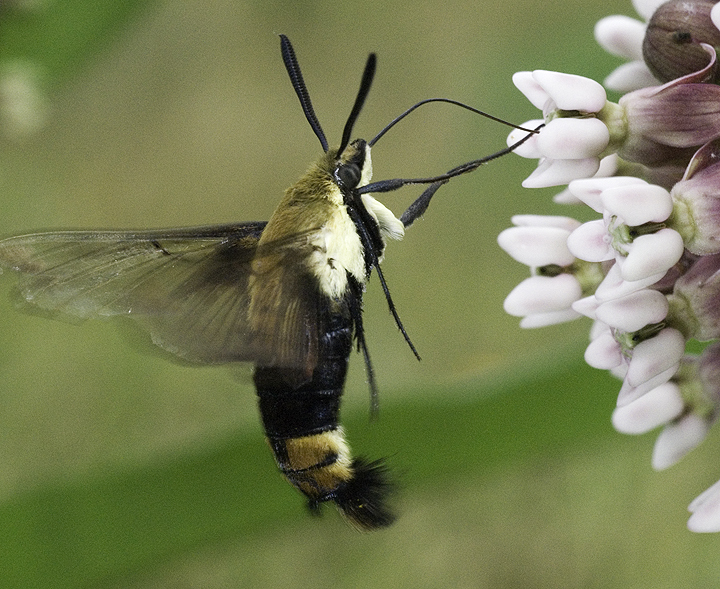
<point>58,37</point>
<point>119,470</point>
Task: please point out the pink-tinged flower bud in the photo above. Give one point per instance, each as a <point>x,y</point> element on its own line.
<point>696,296</point>
<point>696,214</point>
<point>665,122</point>
<point>671,46</point>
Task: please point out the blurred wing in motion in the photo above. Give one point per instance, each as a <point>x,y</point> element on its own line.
<point>190,288</point>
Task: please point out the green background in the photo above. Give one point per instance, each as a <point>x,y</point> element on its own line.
<point>121,470</point>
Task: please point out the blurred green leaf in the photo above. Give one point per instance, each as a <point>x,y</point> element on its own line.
<point>57,37</point>
<point>111,523</point>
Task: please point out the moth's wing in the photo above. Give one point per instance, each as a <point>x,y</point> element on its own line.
<point>190,288</point>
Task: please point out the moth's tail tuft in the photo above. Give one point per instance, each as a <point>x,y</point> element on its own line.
<point>363,499</point>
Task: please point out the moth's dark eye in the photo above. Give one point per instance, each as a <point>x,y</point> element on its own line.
<point>348,175</point>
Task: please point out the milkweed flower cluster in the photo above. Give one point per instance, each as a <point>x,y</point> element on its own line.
<point>647,270</point>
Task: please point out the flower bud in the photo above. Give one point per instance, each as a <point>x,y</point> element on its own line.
<point>696,214</point>
<point>698,290</point>
<point>671,46</point>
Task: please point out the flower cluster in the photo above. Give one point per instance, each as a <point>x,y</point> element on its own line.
<point>647,271</point>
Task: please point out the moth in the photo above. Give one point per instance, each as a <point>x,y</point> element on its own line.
<point>284,295</point>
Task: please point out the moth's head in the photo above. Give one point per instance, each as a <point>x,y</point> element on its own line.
<point>353,167</point>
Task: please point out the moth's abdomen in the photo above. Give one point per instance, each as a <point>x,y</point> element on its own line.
<point>302,426</point>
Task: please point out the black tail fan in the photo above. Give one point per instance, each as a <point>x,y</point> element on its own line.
<point>363,500</point>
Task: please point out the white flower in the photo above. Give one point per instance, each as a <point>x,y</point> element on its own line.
<point>537,245</point>
<point>623,36</point>
<point>655,408</point>
<point>568,147</point>
<point>540,241</point>
<point>544,300</point>
<point>626,204</point>
<point>550,91</point>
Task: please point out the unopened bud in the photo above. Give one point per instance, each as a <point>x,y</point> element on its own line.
<point>671,48</point>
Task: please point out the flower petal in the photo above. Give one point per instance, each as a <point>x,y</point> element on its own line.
<point>589,190</point>
<point>537,246</point>
<point>571,92</point>
<point>676,114</point>
<point>630,76</point>
<point>604,352</point>
<point>573,139</point>
<point>621,35</point>
<point>613,286</point>
<point>658,406</point>
<point>634,311</point>
<point>628,393</point>
<point>551,318</point>
<point>542,294</point>
<point>677,439</point>
<point>558,221</point>
<point>608,167</point>
<point>591,242</point>
<point>646,8</point>
<point>655,355</point>
<point>652,254</point>
<point>557,172</point>
<point>715,15</point>
<point>638,203</point>
<point>586,307</point>
<point>529,86</point>
<point>529,149</point>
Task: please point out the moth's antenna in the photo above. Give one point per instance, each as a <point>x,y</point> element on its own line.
<point>293,70</point>
<point>365,84</point>
<point>399,118</point>
<point>390,185</point>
